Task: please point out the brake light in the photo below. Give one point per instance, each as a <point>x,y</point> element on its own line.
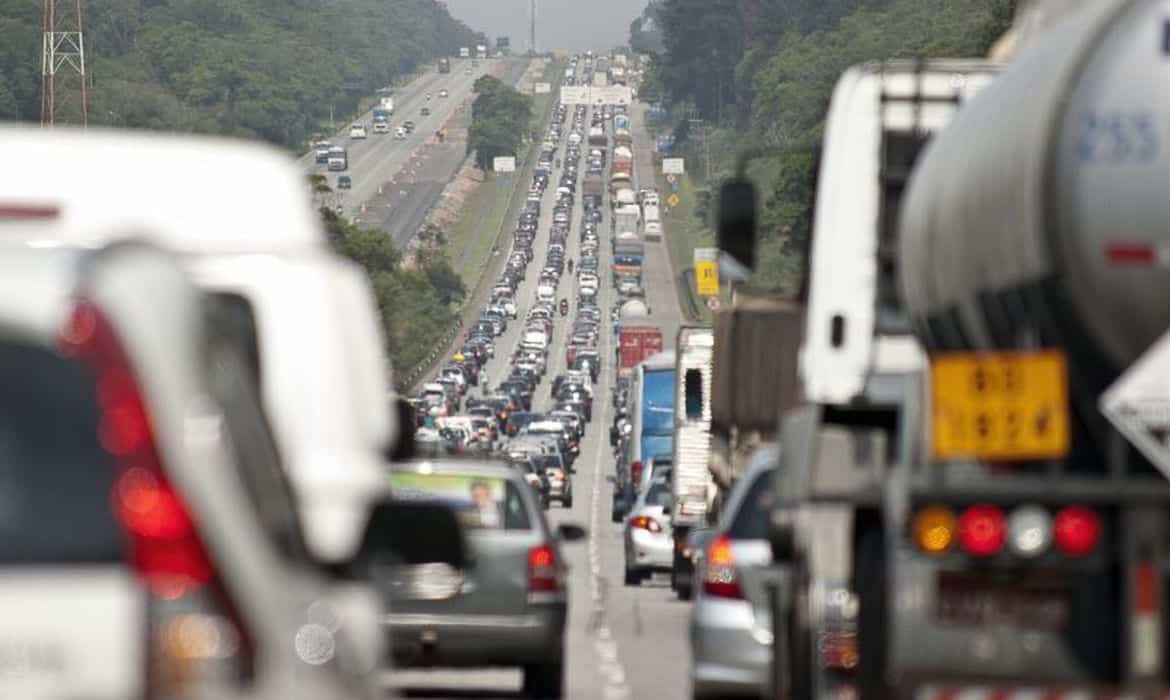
<point>543,573</point>
<point>644,522</point>
<point>720,579</point>
<point>1076,530</point>
<point>197,633</point>
<point>636,473</point>
<point>982,530</point>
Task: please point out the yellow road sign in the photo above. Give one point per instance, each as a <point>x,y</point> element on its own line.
<point>707,278</point>
<point>672,200</point>
<point>1000,405</point>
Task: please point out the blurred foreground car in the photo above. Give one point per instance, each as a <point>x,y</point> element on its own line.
<point>649,545</point>
<point>263,253</point>
<point>731,622</point>
<point>507,607</point>
<point>149,544</point>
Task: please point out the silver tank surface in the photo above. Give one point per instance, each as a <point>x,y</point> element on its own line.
<point>1041,216</point>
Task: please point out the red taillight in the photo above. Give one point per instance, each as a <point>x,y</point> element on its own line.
<point>982,530</point>
<point>644,522</point>
<point>166,552</point>
<point>720,578</point>
<point>636,473</point>
<point>1141,254</point>
<point>543,572</point>
<point>1076,530</point>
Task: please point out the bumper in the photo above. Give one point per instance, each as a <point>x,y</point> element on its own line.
<point>649,550</point>
<point>559,489</point>
<point>729,657</point>
<point>477,640</point>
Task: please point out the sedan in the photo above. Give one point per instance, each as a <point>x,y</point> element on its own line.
<point>649,543</point>
<point>518,620</point>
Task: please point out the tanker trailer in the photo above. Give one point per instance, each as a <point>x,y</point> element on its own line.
<point>1026,543</point>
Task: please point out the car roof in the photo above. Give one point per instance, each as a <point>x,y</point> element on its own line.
<point>168,211</point>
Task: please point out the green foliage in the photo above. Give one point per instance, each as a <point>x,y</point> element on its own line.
<point>254,68</point>
<point>500,117</point>
<point>415,304</point>
<point>703,42</point>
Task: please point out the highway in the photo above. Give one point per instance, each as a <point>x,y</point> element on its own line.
<point>621,641</point>
<point>376,161</point>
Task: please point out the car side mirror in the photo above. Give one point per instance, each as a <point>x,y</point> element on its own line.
<point>781,536</point>
<point>412,532</point>
<point>736,227</point>
<point>570,532</point>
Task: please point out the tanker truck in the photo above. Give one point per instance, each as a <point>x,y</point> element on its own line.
<point>1026,543</point>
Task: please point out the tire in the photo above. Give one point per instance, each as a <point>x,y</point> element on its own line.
<point>870,573</point>
<point>544,680</point>
<point>568,503</point>
<point>633,578</point>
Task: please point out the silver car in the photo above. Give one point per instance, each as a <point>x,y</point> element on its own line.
<point>508,608</point>
<point>649,543</point>
<point>731,637</point>
<point>152,574</point>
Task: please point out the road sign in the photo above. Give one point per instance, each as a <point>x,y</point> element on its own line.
<point>504,164</point>
<point>575,95</point>
<point>1138,404</point>
<point>672,178</point>
<point>673,166</point>
<point>1000,405</point>
<point>706,271</point>
<point>541,88</point>
<point>713,303</point>
<point>672,199</point>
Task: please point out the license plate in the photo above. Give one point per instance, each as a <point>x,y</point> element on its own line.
<point>966,602</point>
<point>434,581</point>
<point>1000,405</point>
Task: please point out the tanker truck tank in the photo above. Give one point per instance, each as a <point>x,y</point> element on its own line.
<point>1040,217</point>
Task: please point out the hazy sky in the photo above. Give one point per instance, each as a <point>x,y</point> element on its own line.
<point>560,24</point>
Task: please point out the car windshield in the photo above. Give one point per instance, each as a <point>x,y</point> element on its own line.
<point>658,495</point>
<point>481,502</point>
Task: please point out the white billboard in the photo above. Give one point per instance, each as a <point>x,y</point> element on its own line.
<point>504,164</point>
<point>673,166</point>
<point>541,88</point>
<point>612,95</point>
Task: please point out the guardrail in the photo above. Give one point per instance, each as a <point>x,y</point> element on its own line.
<point>687,281</point>
<point>408,380</point>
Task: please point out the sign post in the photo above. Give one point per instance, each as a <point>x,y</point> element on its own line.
<point>1138,404</point>
<point>706,262</point>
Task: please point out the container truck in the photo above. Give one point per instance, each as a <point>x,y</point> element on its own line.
<point>626,218</point>
<point>860,366</point>
<point>638,339</point>
<point>652,411</point>
<point>444,65</point>
<point>387,103</point>
<point>691,484</point>
<point>481,51</point>
<point>1032,273</point>
<point>597,136</point>
<point>338,158</point>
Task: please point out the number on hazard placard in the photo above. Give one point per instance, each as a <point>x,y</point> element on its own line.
<point>999,405</point>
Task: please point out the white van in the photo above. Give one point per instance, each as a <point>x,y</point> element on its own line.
<point>546,293</point>
<point>652,231</point>
<point>317,345</point>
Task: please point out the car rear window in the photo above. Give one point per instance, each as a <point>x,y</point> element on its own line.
<point>481,502</point>
<point>751,521</point>
<point>55,478</point>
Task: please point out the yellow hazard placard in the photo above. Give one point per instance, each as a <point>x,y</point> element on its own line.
<point>1000,405</point>
<point>672,200</point>
<point>707,278</point>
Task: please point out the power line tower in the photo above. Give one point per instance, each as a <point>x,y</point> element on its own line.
<point>532,27</point>
<point>64,85</point>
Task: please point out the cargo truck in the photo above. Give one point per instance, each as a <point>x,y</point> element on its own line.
<point>592,185</point>
<point>481,51</point>
<point>628,257</point>
<point>464,52</point>
<point>651,411</point>
<point>444,65</point>
<point>691,485</point>
<point>860,371</point>
<point>597,136</point>
<point>1031,272</point>
<point>638,338</point>
<point>338,158</point>
<point>387,103</point>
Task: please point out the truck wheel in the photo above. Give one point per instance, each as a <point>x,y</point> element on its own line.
<point>870,575</point>
<point>544,680</point>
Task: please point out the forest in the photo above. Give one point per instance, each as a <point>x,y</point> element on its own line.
<point>268,69</point>
<point>500,118</point>
<point>759,73</point>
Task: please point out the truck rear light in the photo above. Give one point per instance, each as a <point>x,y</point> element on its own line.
<point>1077,530</point>
<point>645,522</point>
<point>720,578</point>
<point>197,634</point>
<point>1029,531</point>
<point>934,529</point>
<point>982,530</point>
<point>1138,254</point>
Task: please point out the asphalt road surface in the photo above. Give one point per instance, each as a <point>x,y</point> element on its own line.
<point>622,641</point>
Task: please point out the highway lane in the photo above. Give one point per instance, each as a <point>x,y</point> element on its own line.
<point>378,158</point>
<point>621,641</point>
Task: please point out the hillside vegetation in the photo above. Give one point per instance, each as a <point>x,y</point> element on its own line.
<point>760,73</point>
<point>269,69</point>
